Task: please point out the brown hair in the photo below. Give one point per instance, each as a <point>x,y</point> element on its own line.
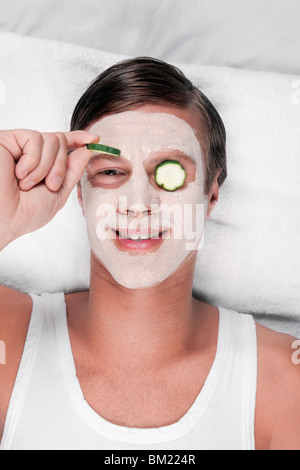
<point>134,82</point>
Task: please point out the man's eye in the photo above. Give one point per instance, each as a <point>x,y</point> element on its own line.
<point>170,175</point>
<point>109,172</point>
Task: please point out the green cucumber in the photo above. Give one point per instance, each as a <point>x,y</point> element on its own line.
<point>170,175</point>
<point>104,149</point>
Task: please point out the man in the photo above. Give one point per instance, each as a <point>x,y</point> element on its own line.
<point>136,362</point>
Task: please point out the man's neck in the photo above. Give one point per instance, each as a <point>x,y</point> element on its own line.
<point>139,327</point>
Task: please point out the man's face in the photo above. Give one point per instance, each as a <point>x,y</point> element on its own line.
<point>121,198</point>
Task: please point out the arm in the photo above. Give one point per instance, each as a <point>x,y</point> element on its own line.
<point>277,420</point>
<point>286,432</point>
<point>15,312</point>
<point>27,156</point>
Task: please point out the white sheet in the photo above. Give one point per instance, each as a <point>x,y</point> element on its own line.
<point>251,257</point>
<point>249,34</point>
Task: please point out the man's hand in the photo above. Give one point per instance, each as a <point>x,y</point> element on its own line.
<point>37,176</point>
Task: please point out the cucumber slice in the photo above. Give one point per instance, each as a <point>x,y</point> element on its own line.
<point>170,175</point>
<point>104,149</point>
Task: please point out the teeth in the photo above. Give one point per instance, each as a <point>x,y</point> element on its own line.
<point>134,237</point>
<point>137,237</point>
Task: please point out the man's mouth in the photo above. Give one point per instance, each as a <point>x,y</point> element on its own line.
<point>142,234</point>
<point>139,242</point>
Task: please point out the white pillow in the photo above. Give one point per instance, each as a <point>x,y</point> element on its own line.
<point>251,34</point>
<point>251,256</point>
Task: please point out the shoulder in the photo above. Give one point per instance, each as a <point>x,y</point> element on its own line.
<point>276,354</point>
<point>15,308</point>
<point>278,390</point>
<point>15,313</point>
<point>274,348</point>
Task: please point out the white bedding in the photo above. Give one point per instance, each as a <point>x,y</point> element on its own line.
<point>251,257</point>
<point>248,34</point>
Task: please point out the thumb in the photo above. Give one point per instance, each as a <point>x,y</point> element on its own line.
<point>77,162</point>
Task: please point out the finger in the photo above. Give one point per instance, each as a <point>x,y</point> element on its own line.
<point>77,162</point>
<point>30,145</point>
<point>57,173</point>
<point>8,182</point>
<point>80,138</point>
<point>49,152</point>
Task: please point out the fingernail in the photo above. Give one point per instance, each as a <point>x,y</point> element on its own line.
<point>56,180</point>
<point>23,173</point>
<point>94,137</point>
<point>28,184</point>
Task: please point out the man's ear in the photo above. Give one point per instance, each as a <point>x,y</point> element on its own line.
<point>213,195</point>
<point>79,196</point>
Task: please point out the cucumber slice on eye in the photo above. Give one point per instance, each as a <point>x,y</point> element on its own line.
<point>170,175</point>
<point>99,148</point>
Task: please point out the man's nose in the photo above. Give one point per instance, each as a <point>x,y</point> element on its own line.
<point>137,211</point>
<point>140,197</point>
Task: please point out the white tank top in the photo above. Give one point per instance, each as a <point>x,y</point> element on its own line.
<point>47,410</point>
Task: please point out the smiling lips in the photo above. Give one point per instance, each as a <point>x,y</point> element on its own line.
<point>144,239</point>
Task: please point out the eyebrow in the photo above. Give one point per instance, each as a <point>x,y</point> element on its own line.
<point>105,156</point>
<point>170,154</point>
<point>155,158</point>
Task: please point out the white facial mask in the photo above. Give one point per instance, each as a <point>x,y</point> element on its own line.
<point>139,136</point>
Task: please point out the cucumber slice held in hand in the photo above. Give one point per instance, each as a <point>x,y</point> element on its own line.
<point>99,148</point>
<point>170,175</point>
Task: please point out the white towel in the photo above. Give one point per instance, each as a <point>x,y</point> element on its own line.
<point>250,261</point>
